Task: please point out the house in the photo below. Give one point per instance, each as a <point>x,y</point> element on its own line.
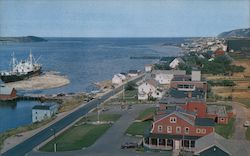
<point>118,79</point>
<point>176,129</point>
<point>219,114</point>
<point>165,76</point>
<point>219,52</point>
<point>41,112</point>
<point>7,93</point>
<point>215,145</point>
<point>149,89</point>
<point>148,68</point>
<point>133,73</point>
<point>175,63</point>
<point>189,83</point>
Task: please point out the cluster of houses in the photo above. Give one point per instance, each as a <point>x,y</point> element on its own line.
<point>205,44</point>
<point>118,79</point>
<point>182,117</point>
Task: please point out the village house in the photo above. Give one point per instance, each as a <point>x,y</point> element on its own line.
<point>133,73</point>
<point>215,145</point>
<point>118,79</point>
<point>189,82</point>
<point>149,89</point>
<point>148,68</point>
<point>165,76</point>
<point>41,112</point>
<point>7,93</point>
<point>175,63</point>
<point>176,129</point>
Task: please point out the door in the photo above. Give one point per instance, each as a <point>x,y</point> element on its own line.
<point>176,144</point>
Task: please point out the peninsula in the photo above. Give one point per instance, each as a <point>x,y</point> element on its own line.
<point>22,39</point>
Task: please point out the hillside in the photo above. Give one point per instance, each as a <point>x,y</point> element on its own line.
<point>22,39</point>
<point>236,33</point>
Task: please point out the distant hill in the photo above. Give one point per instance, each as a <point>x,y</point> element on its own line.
<point>22,39</point>
<point>238,33</point>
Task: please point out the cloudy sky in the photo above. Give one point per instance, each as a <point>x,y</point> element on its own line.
<point>122,18</point>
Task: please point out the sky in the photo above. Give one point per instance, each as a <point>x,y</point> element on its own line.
<point>122,18</point>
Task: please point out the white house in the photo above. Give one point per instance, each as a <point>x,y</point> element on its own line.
<point>118,79</point>
<point>149,89</point>
<point>41,112</point>
<point>174,64</point>
<point>165,76</point>
<point>148,68</point>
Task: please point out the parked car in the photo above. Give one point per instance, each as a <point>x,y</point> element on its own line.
<point>246,124</point>
<point>129,145</point>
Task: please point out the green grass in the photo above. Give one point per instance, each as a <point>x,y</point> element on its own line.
<point>138,128</point>
<point>248,133</point>
<point>245,102</point>
<point>77,138</point>
<point>81,136</point>
<point>145,113</point>
<point>226,130</point>
<point>103,117</point>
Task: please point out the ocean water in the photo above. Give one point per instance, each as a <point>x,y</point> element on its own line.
<point>83,61</point>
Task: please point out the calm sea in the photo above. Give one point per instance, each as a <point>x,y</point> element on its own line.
<point>83,61</point>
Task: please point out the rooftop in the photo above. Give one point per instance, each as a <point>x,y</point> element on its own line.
<point>44,107</point>
<point>5,90</point>
<point>218,110</point>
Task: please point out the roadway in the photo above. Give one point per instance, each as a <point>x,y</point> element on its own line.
<point>29,144</point>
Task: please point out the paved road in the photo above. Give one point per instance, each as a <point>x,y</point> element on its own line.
<point>27,146</point>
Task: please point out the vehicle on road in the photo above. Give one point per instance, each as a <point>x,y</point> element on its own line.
<point>246,124</point>
<point>129,145</point>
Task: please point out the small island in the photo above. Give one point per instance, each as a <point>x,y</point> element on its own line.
<point>22,39</point>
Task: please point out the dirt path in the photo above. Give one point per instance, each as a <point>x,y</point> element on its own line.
<point>242,114</point>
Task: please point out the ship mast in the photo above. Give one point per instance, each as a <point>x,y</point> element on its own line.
<point>31,58</point>
<point>13,63</point>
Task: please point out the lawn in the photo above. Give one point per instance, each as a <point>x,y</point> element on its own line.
<point>76,138</point>
<point>138,128</point>
<point>245,101</point>
<point>146,112</point>
<point>103,117</point>
<point>82,135</point>
<point>248,134</point>
<point>226,130</point>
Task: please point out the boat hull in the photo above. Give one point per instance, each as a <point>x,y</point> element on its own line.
<point>14,78</point>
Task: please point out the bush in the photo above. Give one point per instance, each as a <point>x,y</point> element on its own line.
<point>222,83</point>
<point>130,86</point>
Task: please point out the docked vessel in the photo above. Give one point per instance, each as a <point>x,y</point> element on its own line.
<point>21,70</point>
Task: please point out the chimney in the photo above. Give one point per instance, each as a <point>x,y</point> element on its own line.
<point>196,75</point>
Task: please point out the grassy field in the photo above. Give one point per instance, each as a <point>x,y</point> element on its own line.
<point>76,138</point>
<point>145,113</point>
<point>226,130</point>
<point>248,134</point>
<point>138,128</point>
<point>244,101</point>
<point>81,135</point>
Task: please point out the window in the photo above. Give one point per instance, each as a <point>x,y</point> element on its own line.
<point>186,130</point>
<point>169,129</point>
<point>198,130</point>
<point>173,120</point>
<point>178,129</point>
<point>160,128</point>
<point>221,119</point>
<point>203,131</point>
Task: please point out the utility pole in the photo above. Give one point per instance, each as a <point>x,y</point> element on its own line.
<point>54,134</point>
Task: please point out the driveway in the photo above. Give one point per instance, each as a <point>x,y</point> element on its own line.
<point>109,144</point>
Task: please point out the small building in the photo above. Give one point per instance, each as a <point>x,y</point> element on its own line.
<point>133,73</point>
<point>219,52</point>
<point>165,76</point>
<point>148,68</point>
<point>175,63</point>
<point>7,93</point>
<point>215,145</point>
<point>149,89</point>
<point>41,112</point>
<point>118,79</point>
<point>218,113</point>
